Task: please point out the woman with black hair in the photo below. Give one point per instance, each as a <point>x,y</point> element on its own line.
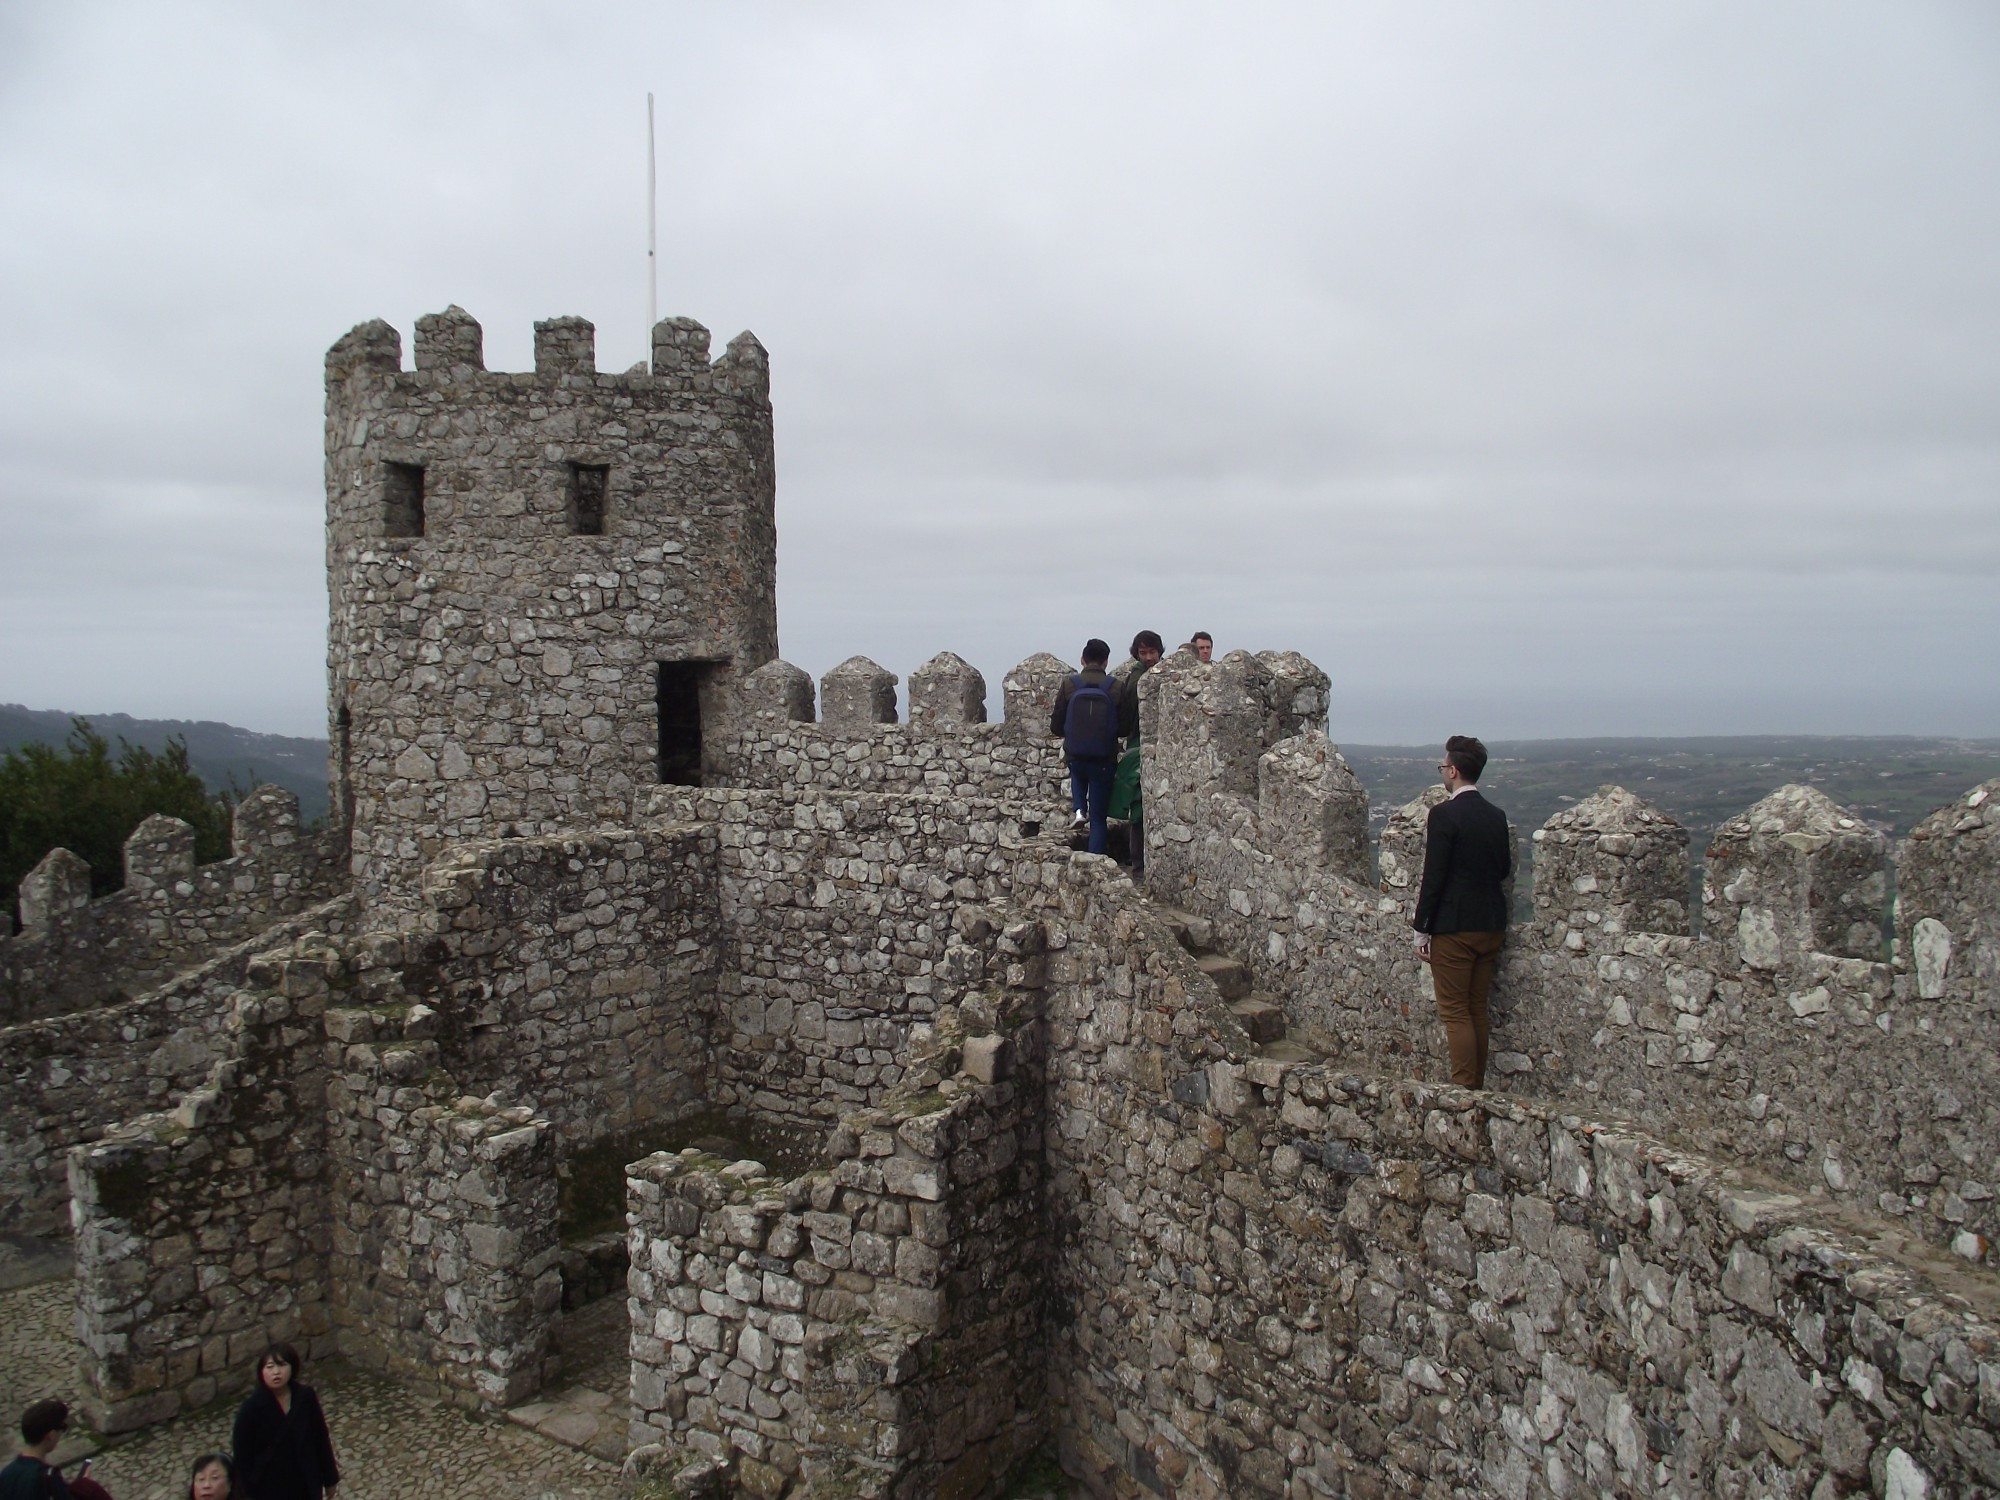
<point>282,1448</point>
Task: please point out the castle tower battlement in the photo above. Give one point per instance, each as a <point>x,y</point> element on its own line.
<point>543,585</point>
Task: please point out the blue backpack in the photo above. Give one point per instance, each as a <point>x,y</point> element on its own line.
<point>1090,725</point>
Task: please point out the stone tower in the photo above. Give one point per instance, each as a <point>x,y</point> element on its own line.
<point>541,585</point>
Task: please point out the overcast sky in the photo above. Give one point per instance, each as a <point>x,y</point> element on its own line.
<point>1538,370</point>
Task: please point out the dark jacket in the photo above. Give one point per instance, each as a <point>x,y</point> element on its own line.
<point>1059,716</point>
<point>1467,854</point>
<point>283,1455</point>
<point>30,1479</point>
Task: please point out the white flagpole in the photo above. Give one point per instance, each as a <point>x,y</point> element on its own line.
<point>652,232</point>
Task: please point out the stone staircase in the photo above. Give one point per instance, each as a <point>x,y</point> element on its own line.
<point>1260,1013</point>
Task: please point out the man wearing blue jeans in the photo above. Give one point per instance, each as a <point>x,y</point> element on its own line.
<point>1086,716</point>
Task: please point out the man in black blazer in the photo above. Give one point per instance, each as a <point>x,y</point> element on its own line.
<point>1461,917</point>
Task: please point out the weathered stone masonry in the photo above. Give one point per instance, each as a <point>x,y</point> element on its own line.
<point>73,953</point>
<point>498,659</point>
<point>1063,1192</point>
<point>1876,1082</point>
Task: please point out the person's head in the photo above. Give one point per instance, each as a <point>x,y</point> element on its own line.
<point>1204,645</point>
<point>1465,756</point>
<point>213,1477</point>
<point>278,1366</point>
<point>1095,652</point>
<point>1147,647</point>
<point>42,1424</point>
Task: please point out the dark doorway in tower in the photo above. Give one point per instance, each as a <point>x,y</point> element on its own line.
<point>679,696</point>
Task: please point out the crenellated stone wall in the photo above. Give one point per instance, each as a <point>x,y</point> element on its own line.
<point>947,747</point>
<point>1834,1070</point>
<point>172,915</point>
<point>1286,1278</point>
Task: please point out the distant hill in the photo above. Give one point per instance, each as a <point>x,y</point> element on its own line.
<point>1891,781</point>
<point>219,753</point>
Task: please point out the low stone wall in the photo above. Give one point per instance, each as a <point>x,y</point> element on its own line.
<point>972,760</point>
<point>442,1255</point>
<point>1286,1279</point>
<point>873,1330</point>
<point>73,953</point>
<point>1876,1082</point>
<point>66,1080</point>
<point>834,913</point>
<point>329,1184</point>
<point>201,1234</point>
<point>575,971</point>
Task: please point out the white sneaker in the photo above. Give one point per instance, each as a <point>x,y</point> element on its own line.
<point>1078,820</point>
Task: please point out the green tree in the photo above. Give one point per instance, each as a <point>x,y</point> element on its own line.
<point>83,799</point>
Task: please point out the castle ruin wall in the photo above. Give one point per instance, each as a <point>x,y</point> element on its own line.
<point>201,1234</point>
<point>326,1183</point>
<point>70,1078</point>
<point>1837,1072</point>
<point>834,918</point>
<point>577,972</point>
<point>1287,1278</point>
<point>875,1328</point>
<point>74,952</point>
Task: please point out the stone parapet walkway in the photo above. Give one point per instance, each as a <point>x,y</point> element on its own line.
<point>393,1442</point>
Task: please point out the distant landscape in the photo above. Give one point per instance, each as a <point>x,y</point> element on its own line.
<point>1891,781</point>
<point>220,754</point>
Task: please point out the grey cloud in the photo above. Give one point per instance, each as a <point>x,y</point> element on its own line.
<point>1660,342</point>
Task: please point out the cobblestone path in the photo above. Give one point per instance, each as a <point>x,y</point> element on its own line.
<point>393,1442</point>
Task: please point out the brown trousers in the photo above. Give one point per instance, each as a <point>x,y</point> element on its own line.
<point>1462,973</point>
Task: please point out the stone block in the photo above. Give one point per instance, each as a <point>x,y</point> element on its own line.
<point>947,690</point>
<point>1796,875</point>
<point>856,694</point>
<point>988,1059</point>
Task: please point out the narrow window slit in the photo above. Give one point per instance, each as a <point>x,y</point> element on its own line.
<point>403,499</point>
<point>588,484</point>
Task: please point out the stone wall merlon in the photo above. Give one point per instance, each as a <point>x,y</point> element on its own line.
<point>779,692</point>
<point>1796,874</point>
<point>1611,864</point>
<point>947,689</point>
<point>450,340</point>
<point>565,346</point>
<point>1028,692</point>
<point>159,853</point>
<point>58,885</point>
<point>1948,899</point>
<point>374,347</point>
<point>856,693</point>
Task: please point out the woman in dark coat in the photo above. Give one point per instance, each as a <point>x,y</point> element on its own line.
<point>281,1445</point>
